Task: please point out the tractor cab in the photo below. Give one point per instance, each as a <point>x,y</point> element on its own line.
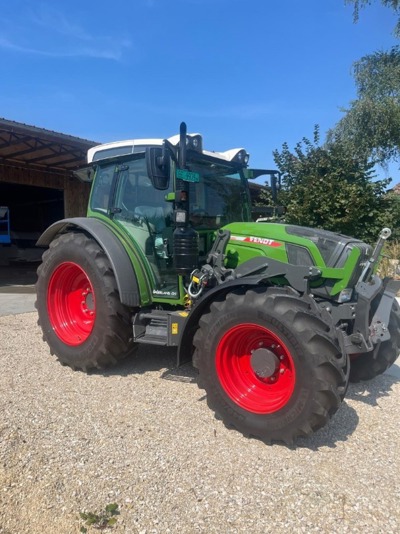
<point>156,192</point>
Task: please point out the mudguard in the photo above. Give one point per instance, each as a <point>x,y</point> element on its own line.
<point>250,273</point>
<point>185,347</point>
<point>121,264</point>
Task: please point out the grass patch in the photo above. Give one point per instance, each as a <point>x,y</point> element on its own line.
<point>100,520</point>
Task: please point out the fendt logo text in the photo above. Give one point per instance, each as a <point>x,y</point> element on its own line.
<point>256,240</point>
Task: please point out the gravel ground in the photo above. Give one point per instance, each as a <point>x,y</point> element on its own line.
<point>143,437</point>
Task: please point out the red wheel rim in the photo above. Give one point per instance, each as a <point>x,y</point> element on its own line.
<point>238,377</point>
<point>71,304</point>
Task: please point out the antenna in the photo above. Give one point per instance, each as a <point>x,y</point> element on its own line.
<point>182,145</point>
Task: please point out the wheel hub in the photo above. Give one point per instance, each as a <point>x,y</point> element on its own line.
<point>87,302</point>
<point>264,362</point>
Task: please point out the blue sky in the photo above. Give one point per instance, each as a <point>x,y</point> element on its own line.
<point>250,74</point>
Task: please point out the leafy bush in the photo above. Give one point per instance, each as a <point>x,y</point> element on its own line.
<point>389,265</point>
<point>327,187</point>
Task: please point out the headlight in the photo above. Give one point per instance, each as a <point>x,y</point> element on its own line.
<point>180,217</point>
<point>345,295</point>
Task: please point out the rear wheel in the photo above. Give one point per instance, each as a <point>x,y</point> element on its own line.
<point>80,313</point>
<point>365,366</point>
<point>272,368</point>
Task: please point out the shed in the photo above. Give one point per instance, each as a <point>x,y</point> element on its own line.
<point>37,183</point>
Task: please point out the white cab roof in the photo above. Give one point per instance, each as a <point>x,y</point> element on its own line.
<point>129,146</point>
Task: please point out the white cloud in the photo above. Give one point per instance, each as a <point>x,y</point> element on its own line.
<point>114,53</point>
<point>50,33</point>
<point>53,19</point>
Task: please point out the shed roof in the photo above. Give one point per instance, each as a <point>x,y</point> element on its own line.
<point>37,147</point>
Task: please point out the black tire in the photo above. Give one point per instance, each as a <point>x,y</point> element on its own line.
<point>365,366</point>
<point>81,316</point>
<point>309,374</point>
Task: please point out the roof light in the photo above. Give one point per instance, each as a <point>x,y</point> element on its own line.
<point>194,142</point>
<point>242,157</point>
<point>238,155</point>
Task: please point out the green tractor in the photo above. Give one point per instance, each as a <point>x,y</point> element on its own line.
<point>277,318</point>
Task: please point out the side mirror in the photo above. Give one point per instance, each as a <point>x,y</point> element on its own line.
<point>158,168</point>
<point>86,173</point>
<point>275,184</point>
<point>275,179</point>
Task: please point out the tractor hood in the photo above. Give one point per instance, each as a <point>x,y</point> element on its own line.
<point>273,239</point>
<point>338,256</point>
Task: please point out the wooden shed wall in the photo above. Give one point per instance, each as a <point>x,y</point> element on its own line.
<point>76,193</point>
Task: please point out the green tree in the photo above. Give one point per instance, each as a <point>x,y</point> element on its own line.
<point>371,126</point>
<point>264,197</point>
<point>393,4</point>
<point>327,187</point>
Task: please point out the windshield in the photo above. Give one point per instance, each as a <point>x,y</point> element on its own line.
<point>220,197</point>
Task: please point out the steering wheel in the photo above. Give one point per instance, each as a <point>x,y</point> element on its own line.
<point>200,213</point>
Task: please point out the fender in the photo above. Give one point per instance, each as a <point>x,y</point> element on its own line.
<point>185,347</point>
<point>246,274</point>
<point>121,264</point>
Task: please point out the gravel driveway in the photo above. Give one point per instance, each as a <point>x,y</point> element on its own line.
<point>143,437</point>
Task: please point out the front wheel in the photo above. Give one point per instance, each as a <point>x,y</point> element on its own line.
<point>81,316</point>
<point>272,368</point>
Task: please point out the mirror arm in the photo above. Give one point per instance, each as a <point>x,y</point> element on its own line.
<point>168,150</point>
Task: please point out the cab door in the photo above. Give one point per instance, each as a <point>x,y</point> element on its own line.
<point>143,213</point>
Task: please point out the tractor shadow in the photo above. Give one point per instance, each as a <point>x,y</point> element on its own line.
<point>148,359</point>
<point>339,429</point>
<point>370,392</point>
<point>162,360</point>
<point>344,423</point>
